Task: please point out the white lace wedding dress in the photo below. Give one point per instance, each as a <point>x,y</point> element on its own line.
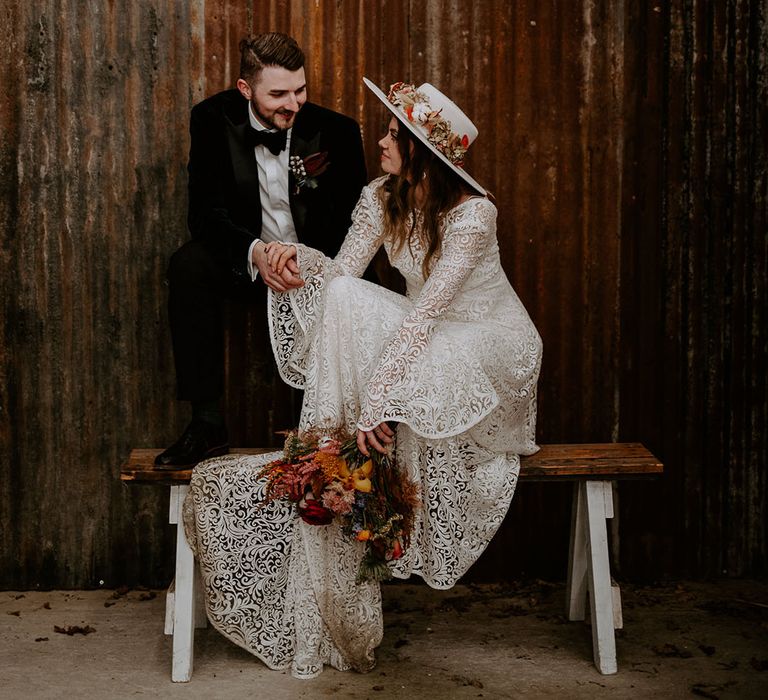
<point>455,364</point>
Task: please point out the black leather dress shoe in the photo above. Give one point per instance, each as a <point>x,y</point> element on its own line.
<point>199,441</point>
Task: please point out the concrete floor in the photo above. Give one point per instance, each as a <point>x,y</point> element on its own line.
<point>679,641</point>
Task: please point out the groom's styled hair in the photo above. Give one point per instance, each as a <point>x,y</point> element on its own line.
<point>271,49</point>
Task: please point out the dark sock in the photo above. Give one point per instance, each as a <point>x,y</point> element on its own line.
<point>207,411</point>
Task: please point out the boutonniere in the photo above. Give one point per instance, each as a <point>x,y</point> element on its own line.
<point>306,170</point>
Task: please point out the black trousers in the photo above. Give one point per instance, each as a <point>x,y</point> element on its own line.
<point>199,286</point>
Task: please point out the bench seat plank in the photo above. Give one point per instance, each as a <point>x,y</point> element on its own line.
<point>612,461</point>
<point>140,466</point>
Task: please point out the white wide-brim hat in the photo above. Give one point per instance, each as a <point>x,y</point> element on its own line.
<point>435,120</point>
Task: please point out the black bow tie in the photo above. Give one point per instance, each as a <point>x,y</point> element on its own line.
<point>274,140</point>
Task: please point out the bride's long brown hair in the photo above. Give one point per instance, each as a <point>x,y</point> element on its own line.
<point>443,190</point>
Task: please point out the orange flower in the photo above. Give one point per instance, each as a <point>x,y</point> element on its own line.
<point>363,535</point>
<point>332,465</point>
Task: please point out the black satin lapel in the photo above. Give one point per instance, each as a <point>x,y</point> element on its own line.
<point>244,166</point>
<point>303,144</point>
<point>298,211</point>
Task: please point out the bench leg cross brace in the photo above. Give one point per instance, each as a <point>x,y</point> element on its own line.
<point>184,603</point>
<point>589,570</point>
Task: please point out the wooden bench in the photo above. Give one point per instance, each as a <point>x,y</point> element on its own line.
<point>593,468</point>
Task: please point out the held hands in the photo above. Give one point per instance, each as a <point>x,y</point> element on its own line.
<point>382,433</point>
<point>279,277</point>
<point>282,257</point>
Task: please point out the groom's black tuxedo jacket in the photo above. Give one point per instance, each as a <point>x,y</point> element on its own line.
<point>224,202</point>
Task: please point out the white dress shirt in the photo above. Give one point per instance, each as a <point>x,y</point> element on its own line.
<point>276,217</point>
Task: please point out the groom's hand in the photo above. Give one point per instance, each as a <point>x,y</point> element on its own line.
<point>280,256</point>
<point>287,279</point>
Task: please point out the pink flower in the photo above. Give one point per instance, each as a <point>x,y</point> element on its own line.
<point>338,500</point>
<point>331,447</point>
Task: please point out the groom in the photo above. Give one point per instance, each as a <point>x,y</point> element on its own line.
<point>264,165</point>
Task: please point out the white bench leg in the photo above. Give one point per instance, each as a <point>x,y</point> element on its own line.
<point>169,596</point>
<point>599,500</point>
<point>589,572</point>
<point>182,599</point>
<point>201,618</point>
<point>576,588</point>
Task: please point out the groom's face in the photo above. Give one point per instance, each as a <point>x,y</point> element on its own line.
<point>277,95</point>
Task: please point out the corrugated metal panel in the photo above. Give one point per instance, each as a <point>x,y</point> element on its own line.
<point>93,173</point>
<point>625,146</point>
<point>696,388</point>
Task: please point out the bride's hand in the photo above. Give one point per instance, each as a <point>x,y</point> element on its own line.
<point>281,256</point>
<point>289,278</point>
<point>382,433</point>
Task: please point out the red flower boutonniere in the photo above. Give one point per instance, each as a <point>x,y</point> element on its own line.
<point>306,170</point>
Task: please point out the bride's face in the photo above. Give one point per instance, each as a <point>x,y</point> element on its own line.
<point>391,160</point>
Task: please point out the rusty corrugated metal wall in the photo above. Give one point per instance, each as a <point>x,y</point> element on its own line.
<point>94,107</point>
<point>695,294</point>
<point>625,144</point>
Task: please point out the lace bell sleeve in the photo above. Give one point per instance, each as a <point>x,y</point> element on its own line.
<point>393,392</point>
<point>360,244</point>
<point>292,314</point>
<point>364,237</point>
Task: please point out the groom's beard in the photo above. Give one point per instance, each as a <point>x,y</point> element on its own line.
<point>281,119</point>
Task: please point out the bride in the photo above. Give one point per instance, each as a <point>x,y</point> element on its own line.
<point>445,375</point>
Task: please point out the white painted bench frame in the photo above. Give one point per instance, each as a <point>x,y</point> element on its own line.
<point>589,577</point>
<point>185,600</point>
<point>589,570</point>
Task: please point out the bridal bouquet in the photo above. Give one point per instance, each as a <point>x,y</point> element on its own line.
<point>328,479</point>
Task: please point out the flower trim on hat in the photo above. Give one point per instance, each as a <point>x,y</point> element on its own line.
<point>416,107</point>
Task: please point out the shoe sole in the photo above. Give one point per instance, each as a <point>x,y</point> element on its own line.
<point>213,452</point>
